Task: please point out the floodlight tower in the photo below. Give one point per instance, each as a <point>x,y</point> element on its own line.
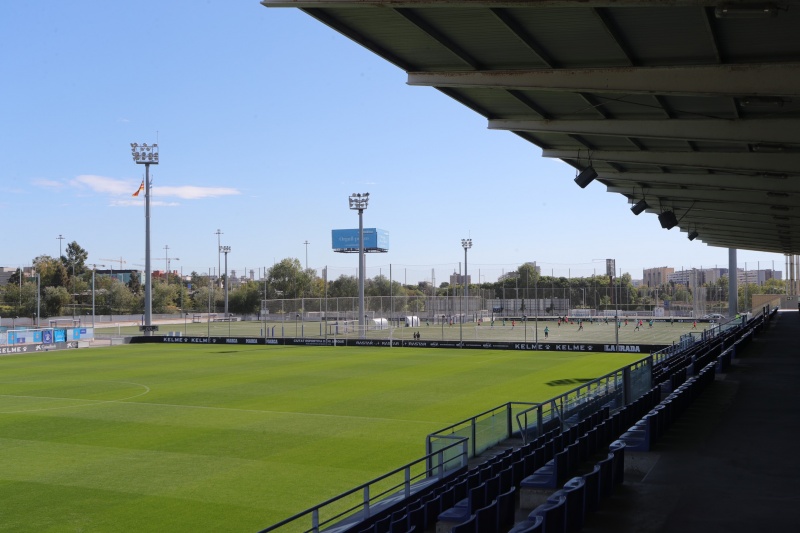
<point>226,250</point>
<point>358,202</point>
<point>466,244</point>
<point>146,155</point>
<point>219,250</point>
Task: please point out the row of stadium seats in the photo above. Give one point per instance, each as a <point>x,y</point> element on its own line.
<point>558,453</point>
<point>484,499</point>
<point>566,509</point>
<point>702,364</point>
<point>644,433</point>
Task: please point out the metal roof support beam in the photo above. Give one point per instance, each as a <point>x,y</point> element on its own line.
<point>755,79</point>
<point>645,181</point>
<point>722,232</point>
<point>734,162</point>
<point>438,36</point>
<point>778,131</point>
<point>733,220</point>
<point>489,4</point>
<point>754,196</point>
<point>704,209</point>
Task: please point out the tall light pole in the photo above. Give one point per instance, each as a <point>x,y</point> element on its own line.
<point>226,250</point>
<point>38,297</point>
<point>466,244</point>
<point>358,202</point>
<point>219,251</point>
<point>60,238</point>
<point>306,243</point>
<point>146,155</point>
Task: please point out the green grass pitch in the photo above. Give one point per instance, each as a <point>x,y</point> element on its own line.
<point>235,438</point>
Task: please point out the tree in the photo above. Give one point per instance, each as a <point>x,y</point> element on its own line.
<point>55,301</point>
<point>343,287</point>
<point>113,297</point>
<point>51,271</point>
<point>75,260</point>
<point>245,299</point>
<point>286,278</point>
<point>134,284</point>
<point>15,278</point>
<point>200,299</point>
<point>199,280</point>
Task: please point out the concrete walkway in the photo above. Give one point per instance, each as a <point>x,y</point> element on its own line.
<point>731,463</point>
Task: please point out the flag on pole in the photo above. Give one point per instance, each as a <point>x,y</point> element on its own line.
<point>140,189</point>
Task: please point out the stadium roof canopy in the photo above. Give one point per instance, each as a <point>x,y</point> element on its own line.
<point>690,105</point>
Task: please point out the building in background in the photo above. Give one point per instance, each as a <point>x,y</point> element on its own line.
<point>653,277</point>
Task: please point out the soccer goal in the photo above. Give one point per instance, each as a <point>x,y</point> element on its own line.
<point>65,323</point>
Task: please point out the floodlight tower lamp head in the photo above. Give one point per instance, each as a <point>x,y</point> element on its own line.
<point>144,154</point>
<point>466,243</point>
<point>359,201</point>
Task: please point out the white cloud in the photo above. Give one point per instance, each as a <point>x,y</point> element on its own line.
<point>139,202</point>
<point>125,188</point>
<point>47,184</point>
<point>104,185</point>
<point>189,192</point>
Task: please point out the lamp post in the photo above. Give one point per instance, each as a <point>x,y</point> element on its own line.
<point>536,312</point>
<point>60,238</point>
<point>146,155</point>
<point>359,202</point>
<point>226,250</point>
<point>38,297</point>
<point>466,244</point>
<point>219,251</point>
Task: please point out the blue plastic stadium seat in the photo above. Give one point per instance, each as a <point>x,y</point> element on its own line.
<point>531,525</point>
<point>550,474</point>
<point>416,516</point>
<point>617,448</point>
<point>383,525</point>
<point>606,476</point>
<point>506,509</point>
<point>468,526</point>
<point>554,512</point>
<point>505,479</point>
<point>592,489</point>
<point>486,518</point>
<point>462,510</point>
<point>575,492</point>
<point>432,509</point>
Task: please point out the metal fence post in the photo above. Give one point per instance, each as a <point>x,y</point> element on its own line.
<point>474,432</point>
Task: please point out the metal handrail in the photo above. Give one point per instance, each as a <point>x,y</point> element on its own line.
<point>365,506</point>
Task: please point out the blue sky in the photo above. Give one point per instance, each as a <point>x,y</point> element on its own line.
<point>267,121</point>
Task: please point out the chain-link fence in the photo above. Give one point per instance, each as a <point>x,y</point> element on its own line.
<point>517,303</point>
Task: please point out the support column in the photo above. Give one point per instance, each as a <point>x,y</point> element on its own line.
<point>796,263</point>
<point>733,293</point>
